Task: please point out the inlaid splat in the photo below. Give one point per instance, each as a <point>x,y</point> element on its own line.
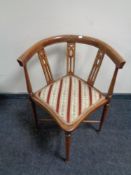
<point>96,67</point>
<point>70,58</point>
<point>45,65</point>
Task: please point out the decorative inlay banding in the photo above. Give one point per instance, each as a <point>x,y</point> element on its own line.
<point>70,58</point>
<point>96,67</point>
<point>45,65</point>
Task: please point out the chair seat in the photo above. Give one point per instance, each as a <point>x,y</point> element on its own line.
<point>70,97</point>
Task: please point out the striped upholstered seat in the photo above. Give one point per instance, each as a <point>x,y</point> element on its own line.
<point>70,97</point>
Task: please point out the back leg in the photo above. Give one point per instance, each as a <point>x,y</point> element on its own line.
<point>34,113</point>
<point>104,115</point>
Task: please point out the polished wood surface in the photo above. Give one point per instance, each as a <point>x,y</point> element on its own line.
<point>71,40</point>
<point>67,144</point>
<point>96,66</point>
<point>70,58</point>
<point>114,55</point>
<point>45,65</point>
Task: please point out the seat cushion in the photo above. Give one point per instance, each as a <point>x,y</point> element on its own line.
<point>70,97</point>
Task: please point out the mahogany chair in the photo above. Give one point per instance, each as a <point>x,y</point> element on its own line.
<point>70,100</point>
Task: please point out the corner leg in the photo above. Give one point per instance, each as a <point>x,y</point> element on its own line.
<point>67,145</point>
<point>104,115</point>
<point>34,113</point>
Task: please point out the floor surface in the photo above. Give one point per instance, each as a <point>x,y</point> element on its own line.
<point>23,151</point>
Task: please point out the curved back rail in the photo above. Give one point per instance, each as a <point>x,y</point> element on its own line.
<point>71,40</point>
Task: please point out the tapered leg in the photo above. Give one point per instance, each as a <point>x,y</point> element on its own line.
<point>34,113</point>
<point>67,144</point>
<point>104,115</point>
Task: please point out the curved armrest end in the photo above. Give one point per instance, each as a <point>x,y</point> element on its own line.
<point>115,56</point>
<point>20,61</point>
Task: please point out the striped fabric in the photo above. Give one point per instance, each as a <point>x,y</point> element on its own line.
<point>70,97</point>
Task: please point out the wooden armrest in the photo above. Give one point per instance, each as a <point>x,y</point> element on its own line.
<point>23,59</point>
<point>115,56</point>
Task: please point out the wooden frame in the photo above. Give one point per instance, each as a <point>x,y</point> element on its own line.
<point>71,40</point>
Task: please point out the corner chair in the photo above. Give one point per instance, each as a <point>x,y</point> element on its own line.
<point>70,100</point>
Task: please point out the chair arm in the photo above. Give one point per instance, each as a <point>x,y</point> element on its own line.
<point>24,58</point>
<point>114,56</point>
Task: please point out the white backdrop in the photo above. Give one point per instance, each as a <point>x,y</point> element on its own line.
<point>23,22</point>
